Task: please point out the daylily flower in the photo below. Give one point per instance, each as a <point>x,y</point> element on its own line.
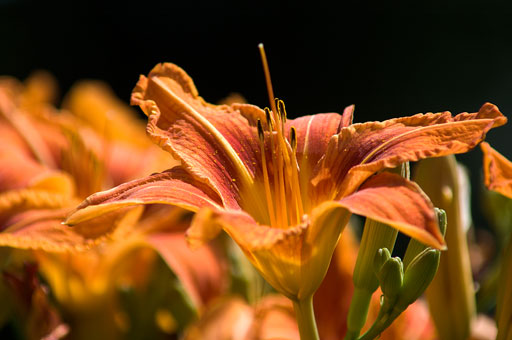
<point>284,189</point>
<point>232,318</point>
<point>27,301</point>
<point>65,158</point>
<point>50,161</point>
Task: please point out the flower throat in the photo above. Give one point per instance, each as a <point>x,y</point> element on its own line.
<point>282,191</point>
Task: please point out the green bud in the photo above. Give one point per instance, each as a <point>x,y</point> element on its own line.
<point>418,276</point>
<point>441,220</point>
<point>390,277</point>
<point>381,257</point>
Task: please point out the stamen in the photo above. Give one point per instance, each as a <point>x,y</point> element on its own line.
<point>293,139</point>
<point>282,191</point>
<point>282,113</point>
<point>261,135</point>
<point>295,176</point>
<point>281,109</point>
<point>284,165</point>
<point>268,117</point>
<point>266,182</point>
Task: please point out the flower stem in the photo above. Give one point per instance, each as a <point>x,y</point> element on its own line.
<point>357,312</point>
<point>376,235</point>
<point>306,319</point>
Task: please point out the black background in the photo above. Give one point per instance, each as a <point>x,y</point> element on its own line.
<point>389,58</point>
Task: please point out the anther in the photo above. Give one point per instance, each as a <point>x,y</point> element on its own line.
<point>293,138</point>
<point>268,118</point>
<point>281,109</point>
<point>276,103</point>
<point>261,135</point>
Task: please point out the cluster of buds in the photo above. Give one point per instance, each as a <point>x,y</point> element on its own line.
<point>403,282</point>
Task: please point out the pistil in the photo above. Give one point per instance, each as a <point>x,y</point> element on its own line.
<point>284,168</point>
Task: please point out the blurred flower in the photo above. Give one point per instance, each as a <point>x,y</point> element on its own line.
<point>284,189</point>
<point>233,319</point>
<point>65,157</point>
<point>28,300</point>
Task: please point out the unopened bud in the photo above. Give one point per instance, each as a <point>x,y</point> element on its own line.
<point>391,277</point>
<point>381,257</point>
<point>418,276</point>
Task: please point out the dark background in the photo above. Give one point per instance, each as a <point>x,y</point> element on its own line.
<point>389,58</point>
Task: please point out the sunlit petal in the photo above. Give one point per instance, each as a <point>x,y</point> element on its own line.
<point>397,202</point>
<point>200,272</point>
<point>43,230</point>
<point>292,260</point>
<point>173,187</point>
<point>360,150</point>
<point>215,143</point>
<point>497,171</point>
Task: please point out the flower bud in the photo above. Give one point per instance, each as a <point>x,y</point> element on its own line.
<point>391,277</point>
<point>381,257</point>
<point>418,276</point>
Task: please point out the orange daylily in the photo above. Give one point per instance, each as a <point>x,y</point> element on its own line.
<point>284,189</point>
<point>232,318</point>
<point>59,161</point>
<point>28,300</point>
<point>40,183</point>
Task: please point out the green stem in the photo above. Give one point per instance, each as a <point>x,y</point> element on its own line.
<point>384,320</point>
<point>376,235</point>
<point>306,319</point>
<point>358,312</point>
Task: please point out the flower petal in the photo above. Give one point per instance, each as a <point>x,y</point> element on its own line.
<point>497,171</point>
<point>201,272</point>
<point>27,128</point>
<point>43,230</point>
<point>332,299</point>
<point>227,318</point>
<point>174,187</point>
<point>313,135</point>
<point>21,172</point>
<point>275,319</point>
<point>294,260</point>
<point>360,150</point>
<point>95,103</point>
<point>274,252</point>
<point>216,144</point>
<point>399,203</point>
